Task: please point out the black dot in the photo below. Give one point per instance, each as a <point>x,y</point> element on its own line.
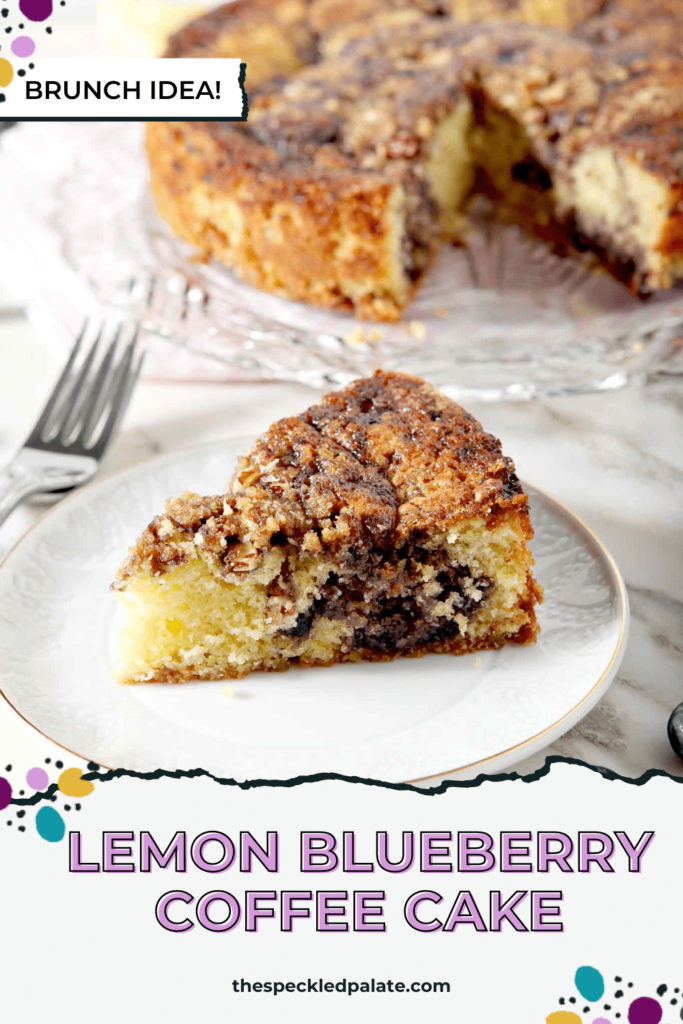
<point>607,1006</point>
<point>5,12</point>
<point>47,760</point>
<point>49,31</point>
<point>673,1002</point>
<point>21,26</point>
<point>22,828</point>
<point>59,764</point>
<point>561,1000</point>
<point>2,97</point>
<point>31,66</point>
<point>21,73</point>
<point>8,29</point>
<point>53,799</point>
<point>661,990</point>
<point>20,814</point>
<point>92,767</point>
<point>676,990</point>
<point>9,822</point>
<point>617,979</point>
<point>630,984</point>
<point>77,806</point>
<point>8,768</point>
<point>571,999</point>
<point>586,1009</point>
<point>21,792</point>
<point>618,994</point>
<point>67,807</point>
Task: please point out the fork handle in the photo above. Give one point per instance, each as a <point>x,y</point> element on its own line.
<point>15,486</point>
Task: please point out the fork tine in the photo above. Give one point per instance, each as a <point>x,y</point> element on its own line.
<point>53,400</point>
<point>121,389</point>
<point>78,395</point>
<point>97,395</point>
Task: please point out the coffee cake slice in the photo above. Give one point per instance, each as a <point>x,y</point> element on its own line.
<point>381,522</point>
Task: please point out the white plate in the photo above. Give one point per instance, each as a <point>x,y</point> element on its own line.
<point>397,722</point>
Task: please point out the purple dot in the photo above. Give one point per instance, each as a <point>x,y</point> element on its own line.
<point>601,1020</point>
<point>37,778</point>
<point>36,10</point>
<point>645,1011</point>
<point>5,793</point>
<point>23,46</point>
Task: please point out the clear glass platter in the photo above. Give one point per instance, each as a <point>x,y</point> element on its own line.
<point>502,318</point>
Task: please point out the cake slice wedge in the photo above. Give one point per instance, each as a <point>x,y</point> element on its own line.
<point>382,522</point>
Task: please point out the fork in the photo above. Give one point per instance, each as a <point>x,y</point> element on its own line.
<point>77,424</point>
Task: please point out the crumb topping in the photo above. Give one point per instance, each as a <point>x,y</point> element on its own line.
<point>385,460</point>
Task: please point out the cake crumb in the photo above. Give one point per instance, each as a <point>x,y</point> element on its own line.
<point>166,528</point>
<point>477,663</point>
<point>355,336</point>
<point>375,334</point>
<point>228,691</point>
<point>417,329</point>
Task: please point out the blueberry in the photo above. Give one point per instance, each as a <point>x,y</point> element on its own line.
<point>675,731</point>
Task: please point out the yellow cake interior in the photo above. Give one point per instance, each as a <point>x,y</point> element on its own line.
<point>194,623</point>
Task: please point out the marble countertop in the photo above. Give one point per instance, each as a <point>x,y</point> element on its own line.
<point>616,459</point>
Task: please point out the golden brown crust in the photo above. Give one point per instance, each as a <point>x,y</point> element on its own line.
<point>229,201</point>
<point>454,646</point>
<point>442,466</point>
<point>387,458</point>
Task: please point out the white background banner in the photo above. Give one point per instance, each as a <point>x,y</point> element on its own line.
<point>94,937</point>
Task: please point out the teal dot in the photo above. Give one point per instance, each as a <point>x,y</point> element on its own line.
<point>50,824</point>
<point>590,983</point>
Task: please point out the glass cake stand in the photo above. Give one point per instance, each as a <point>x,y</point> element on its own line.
<point>502,318</point>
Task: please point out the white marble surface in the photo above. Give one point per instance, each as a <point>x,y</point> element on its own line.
<point>616,459</point>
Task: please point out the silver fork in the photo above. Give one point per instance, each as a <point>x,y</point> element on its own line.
<point>77,424</point>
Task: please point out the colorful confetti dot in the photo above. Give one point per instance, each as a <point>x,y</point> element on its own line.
<point>36,10</point>
<point>72,783</point>
<point>23,46</point>
<point>601,1020</point>
<point>6,72</point>
<point>37,778</point>
<point>5,793</point>
<point>590,983</point>
<point>645,1011</point>
<point>563,1017</point>
<point>50,824</point>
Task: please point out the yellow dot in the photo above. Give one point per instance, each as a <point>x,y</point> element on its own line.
<point>6,72</point>
<point>71,783</point>
<point>563,1017</point>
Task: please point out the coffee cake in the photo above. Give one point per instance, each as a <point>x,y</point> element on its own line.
<point>382,522</point>
<point>373,123</point>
